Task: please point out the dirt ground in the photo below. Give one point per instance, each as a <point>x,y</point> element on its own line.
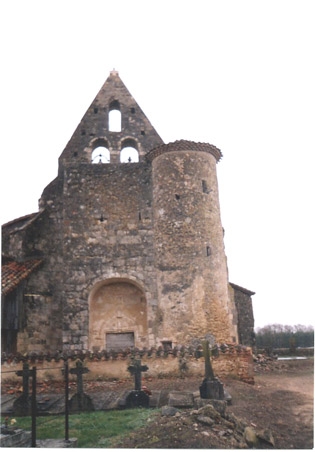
<point>281,400</point>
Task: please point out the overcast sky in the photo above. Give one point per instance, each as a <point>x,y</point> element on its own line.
<point>236,74</point>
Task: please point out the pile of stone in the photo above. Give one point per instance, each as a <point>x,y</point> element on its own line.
<point>207,426</point>
<point>213,414</point>
<point>264,361</point>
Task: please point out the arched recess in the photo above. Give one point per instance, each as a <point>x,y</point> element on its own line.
<point>117,316</point>
<point>129,151</point>
<point>114,117</point>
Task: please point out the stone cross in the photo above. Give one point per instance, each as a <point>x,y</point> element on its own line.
<point>135,369</point>
<point>209,375</point>
<point>211,387</point>
<point>79,370</point>
<point>80,401</point>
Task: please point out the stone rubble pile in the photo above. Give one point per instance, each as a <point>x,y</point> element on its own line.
<point>212,419</point>
<point>264,361</point>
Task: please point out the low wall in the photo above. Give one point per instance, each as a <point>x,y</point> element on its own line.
<point>227,361</point>
<point>299,351</point>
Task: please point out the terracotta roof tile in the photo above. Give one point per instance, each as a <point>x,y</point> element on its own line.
<point>13,273</point>
<point>184,145</point>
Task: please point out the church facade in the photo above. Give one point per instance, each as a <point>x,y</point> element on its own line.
<point>127,247</point>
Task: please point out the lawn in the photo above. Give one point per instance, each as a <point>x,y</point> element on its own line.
<point>94,429</point>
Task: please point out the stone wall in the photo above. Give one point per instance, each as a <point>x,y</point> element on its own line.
<point>154,226</point>
<point>188,240</point>
<point>116,224</point>
<point>43,331</point>
<point>245,319</point>
<point>229,361</point>
<point>40,237</point>
<point>107,238</point>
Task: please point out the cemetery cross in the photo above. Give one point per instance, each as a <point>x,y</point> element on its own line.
<point>209,375</point>
<point>79,370</point>
<point>135,369</point>
<point>26,373</point>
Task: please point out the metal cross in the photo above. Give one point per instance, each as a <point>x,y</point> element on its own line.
<point>26,373</point>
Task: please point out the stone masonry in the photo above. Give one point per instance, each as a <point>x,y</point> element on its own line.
<point>131,251</point>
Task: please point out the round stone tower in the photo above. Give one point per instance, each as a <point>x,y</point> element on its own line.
<point>192,276</point>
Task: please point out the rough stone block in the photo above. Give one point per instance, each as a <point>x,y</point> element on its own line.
<point>17,438</point>
<point>181,399</point>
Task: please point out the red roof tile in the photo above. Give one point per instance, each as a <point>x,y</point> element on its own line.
<point>184,145</point>
<point>13,273</point>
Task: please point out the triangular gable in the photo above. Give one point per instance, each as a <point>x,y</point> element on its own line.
<point>93,129</point>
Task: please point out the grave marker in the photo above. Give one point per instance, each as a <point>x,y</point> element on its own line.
<point>137,397</point>
<point>211,387</point>
<point>80,401</point>
<point>22,405</point>
<point>135,369</point>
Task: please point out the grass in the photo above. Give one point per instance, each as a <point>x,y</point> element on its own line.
<point>94,429</point>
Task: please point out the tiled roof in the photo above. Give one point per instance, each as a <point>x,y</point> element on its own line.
<point>13,273</point>
<point>184,145</point>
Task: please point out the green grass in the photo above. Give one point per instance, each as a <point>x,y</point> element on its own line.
<point>94,429</point>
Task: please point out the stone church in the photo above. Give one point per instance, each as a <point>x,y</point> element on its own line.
<point>126,249</point>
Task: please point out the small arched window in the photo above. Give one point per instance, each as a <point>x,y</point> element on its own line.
<point>100,155</point>
<point>114,117</point>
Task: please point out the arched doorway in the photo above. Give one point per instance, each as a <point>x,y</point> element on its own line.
<point>117,316</point>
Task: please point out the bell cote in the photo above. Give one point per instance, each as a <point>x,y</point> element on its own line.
<point>113,130</point>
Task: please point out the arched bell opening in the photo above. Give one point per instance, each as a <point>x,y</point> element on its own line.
<point>129,151</point>
<point>99,149</point>
<point>100,155</point>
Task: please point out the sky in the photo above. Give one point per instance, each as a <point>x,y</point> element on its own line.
<point>238,74</point>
